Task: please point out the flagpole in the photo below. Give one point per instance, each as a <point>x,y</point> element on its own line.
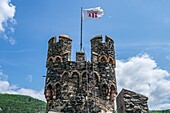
<point>81,31</point>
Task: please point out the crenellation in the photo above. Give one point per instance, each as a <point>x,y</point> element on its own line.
<point>102,51</point>
<point>82,86</point>
<point>80,56</point>
<point>52,41</point>
<point>60,48</point>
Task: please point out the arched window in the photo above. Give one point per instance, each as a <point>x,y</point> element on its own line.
<point>84,83</point>
<point>49,92</point>
<point>103,58</point>
<point>75,78</point>
<point>74,81</point>
<point>58,59</point>
<point>84,78</point>
<point>111,60</point>
<point>104,91</point>
<point>65,77</point>
<point>65,80</point>
<point>58,90</point>
<point>95,77</point>
<point>51,59</point>
<point>112,92</point>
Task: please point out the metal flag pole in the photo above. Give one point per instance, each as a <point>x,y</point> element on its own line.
<point>81,30</point>
<point>87,81</point>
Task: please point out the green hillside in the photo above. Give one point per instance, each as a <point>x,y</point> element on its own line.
<point>160,111</point>
<point>10,103</point>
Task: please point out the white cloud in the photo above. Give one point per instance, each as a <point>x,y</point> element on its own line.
<point>2,75</point>
<point>141,74</point>
<point>167,58</point>
<point>7,13</point>
<point>29,78</point>
<point>6,87</point>
<point>8,38</point>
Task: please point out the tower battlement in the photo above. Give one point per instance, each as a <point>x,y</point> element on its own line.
<point>102,51</point>
<point>99,39</point>
<point>61,38</point>
<point>60,50</point>
<point>80,86</point>
<point>86,87</point>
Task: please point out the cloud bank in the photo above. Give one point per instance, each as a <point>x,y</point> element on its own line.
<point>7,13</point>
<point>6,87</point>
<point>141,74</point>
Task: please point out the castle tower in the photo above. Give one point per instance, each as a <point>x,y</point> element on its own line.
<point>103,57</point>
<point>80,86</point>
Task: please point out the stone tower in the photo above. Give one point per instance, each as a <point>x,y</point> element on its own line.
<point>80,86</point>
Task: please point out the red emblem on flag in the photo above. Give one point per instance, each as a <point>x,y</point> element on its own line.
<point>92,14</point>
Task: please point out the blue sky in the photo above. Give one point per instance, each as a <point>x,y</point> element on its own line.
<point>140,29</point>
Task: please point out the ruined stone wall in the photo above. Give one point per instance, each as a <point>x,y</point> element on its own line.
<point>80,86</point>
<point>131,102</point>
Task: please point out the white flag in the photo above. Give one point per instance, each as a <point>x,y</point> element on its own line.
<point>92,13</point>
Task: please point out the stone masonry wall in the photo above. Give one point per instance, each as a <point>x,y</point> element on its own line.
<point>80,86</point>
<point>131,102</point>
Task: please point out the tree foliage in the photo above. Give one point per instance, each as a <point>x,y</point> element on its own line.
<point>10,103</point>
<point>160,111</point>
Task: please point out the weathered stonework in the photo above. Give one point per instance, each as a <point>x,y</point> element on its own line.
<point>131,102</point>
<point>80,86</point>
<point>86,87</point>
